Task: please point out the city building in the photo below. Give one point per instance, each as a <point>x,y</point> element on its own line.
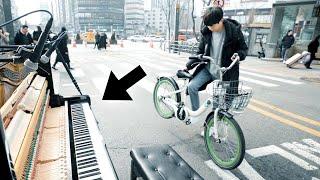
<point>155,21</point>
<point>301,16</point>
<point>156,3</point>
<point>134,17</point>
<point>1,13</point>
<point>101,15</point>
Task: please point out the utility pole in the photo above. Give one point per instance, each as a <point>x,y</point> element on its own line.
<point>176,33</point>
<point>8,17</point>
<point>176,29</point>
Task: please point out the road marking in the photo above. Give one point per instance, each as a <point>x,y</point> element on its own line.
<point>247,170</point>
<point>314,178</point>
<point>224,174</point>
<point>272,149</point>
<point>284,120</point>
<point>78,73</point>
<point>270,77</point>
<point>103,68</point>
<point>290,114</point>
<point>100,83</point>
<point>306,148</point>
<point>71,84</point>
<point>154,66</point>
<point>172,64</point>
<point>258,82</point>
<point>312,143</point>
<point>147,85</point>
<point>301,152</point>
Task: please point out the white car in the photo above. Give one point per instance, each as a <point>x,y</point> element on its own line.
<point>135,38</point>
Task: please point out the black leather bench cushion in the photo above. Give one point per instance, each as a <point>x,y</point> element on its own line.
<point>162,162</point>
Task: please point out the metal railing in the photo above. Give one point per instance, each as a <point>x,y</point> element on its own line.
<point>180,47</point>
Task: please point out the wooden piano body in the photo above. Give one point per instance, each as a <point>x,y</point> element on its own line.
<point>47,136</point>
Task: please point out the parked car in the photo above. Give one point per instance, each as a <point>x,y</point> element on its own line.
<point>135,38</point>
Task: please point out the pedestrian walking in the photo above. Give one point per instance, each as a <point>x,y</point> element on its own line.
<point>4,38</point>
<point>23,37</point>
<point>36,34</point>
<point>286,43</point>
<point>312,48</point>
<point>63,48</point>
<point>103,41</point>
<point>97,40</point>
<point>113,38</point>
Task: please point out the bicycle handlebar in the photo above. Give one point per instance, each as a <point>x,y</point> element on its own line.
<point>235,59</point>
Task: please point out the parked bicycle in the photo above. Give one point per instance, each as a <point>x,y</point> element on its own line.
<point>223,136</point>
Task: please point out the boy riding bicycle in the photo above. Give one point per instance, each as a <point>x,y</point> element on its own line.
<point>223,40</point>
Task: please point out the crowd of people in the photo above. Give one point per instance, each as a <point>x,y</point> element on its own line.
<point>101,40</point>
<point>23,37</point>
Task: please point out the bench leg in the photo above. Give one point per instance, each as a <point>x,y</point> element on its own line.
<point>133,174</point>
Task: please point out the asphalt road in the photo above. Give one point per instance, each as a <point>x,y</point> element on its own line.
<point>281,125</point>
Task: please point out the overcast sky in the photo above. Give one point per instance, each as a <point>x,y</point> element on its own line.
<point>25,6</point>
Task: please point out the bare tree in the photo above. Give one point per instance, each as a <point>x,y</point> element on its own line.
<point>204,2</point>
<point>167,8</point>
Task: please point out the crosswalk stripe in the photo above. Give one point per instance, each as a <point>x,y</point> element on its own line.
<point>258,82</point>
<point>100,83</point>
<point>312,143</point>
<point>272,149</point>
<point>248,171</point>
<point>221,173</point>
<point>301,152</point>
<point>306,148</point>
<point>78,72</point>
<point>270,77</point>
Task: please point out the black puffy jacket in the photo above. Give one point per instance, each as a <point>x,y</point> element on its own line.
<point>234,43</point>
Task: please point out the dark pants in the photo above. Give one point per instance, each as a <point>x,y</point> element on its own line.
<point>312,57</point>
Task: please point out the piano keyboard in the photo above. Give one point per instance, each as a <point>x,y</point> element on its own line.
<point>89,157</point>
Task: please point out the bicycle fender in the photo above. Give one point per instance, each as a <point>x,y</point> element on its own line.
<point>224,113</point>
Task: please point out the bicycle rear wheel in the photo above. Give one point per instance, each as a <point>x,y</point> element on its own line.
<point>164,86</point>
<point>228,150</point>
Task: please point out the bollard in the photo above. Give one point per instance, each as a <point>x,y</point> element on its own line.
<point>151,44</point>
<point>121,43</point>
<point>74,43</point>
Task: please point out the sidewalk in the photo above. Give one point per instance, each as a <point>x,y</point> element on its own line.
<point>269,67</point>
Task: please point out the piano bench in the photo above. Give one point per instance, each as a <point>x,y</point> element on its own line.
<point>160,162</point>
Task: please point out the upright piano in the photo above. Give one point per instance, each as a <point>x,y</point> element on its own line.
<point>46,136</point>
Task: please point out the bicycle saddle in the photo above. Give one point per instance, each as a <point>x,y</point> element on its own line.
<point>184,74</point>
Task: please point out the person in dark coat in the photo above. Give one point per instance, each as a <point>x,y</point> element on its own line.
<point>97,38</point>
<point>286,43</point>
<point>23,37</point>
<point>36,34</point>
<point>113,38</point>
<point>312,48</point>
<point>63,48</point>
<point>221,39</point>
<point>103,41</point>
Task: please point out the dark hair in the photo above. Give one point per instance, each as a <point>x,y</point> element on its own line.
<point>212,16</point>
<point>24,26</point>
<point>39,28</point>
<point>289,31</point>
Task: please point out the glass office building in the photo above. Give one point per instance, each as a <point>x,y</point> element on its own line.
<point>100,15</point>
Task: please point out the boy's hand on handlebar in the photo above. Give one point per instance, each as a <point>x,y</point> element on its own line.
<point>235,56</point>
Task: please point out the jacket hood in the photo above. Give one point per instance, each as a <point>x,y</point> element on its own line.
<point>228,23</point>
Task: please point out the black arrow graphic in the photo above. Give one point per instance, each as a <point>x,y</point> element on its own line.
<point>117,89</point>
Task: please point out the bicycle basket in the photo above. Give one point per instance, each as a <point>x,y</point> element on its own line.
<point>231,95</point>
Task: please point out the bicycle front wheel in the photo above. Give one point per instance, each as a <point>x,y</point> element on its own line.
<point>165,86</point>
<point>228,149</point>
